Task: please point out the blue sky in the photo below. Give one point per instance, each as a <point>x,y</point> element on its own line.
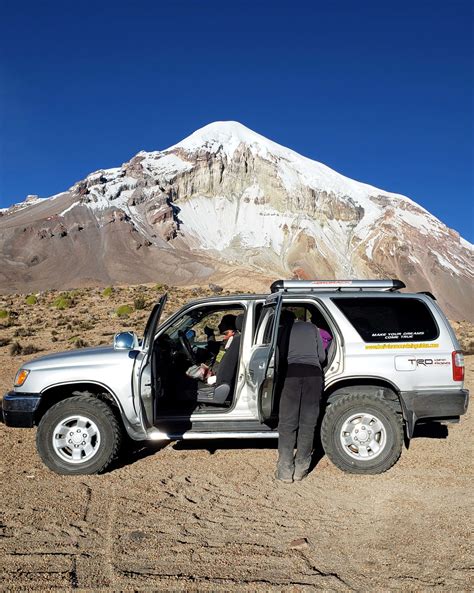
<point>380,91</point>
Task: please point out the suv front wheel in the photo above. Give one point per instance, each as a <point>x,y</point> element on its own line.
<point>362,434</point>
<point>79,435</point>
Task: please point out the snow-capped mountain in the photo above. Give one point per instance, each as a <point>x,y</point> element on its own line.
<point>227,203</point>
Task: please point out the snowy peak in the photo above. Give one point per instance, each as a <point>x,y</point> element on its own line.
<point>293,168</point>
<point>226,136</point>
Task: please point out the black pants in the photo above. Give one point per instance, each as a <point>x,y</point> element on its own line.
<point>298,415</point>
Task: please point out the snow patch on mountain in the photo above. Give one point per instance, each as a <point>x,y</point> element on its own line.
<point>28,202</point>
<point>163,164</point>
<point>444,262</point>
<point>223,223</point>
<point>420,221</point>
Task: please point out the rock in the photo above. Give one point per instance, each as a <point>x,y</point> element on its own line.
<point>301,543</point>
<point>215,288</point>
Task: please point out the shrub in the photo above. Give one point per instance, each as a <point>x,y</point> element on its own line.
<point>139,303</point>
<point>78,342</point>
<point>85,325</point>
<point>16,349</point>
<point>31,299</point>
<point>123,310</point>
<point>30,349</point>
<point>23,332</point>
<point>63,301</point>
<point>107,291</point>
<point>3,314</point>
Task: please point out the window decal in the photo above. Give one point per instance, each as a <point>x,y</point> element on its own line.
<point>389,319</point>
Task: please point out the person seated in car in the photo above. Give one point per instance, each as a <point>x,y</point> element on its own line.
<point>221,380</point>
<point>226,357</point>
<point>219,350</point>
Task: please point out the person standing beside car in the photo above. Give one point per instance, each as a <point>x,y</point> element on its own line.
<point>299,402</point>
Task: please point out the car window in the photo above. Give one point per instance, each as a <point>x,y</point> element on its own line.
<point>263,334</point>
<point>212,320</point>
<point>389,319</point>
<point>181,324</point>
<point>198,319</point>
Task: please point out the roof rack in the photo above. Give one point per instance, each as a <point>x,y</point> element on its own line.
<point>341,285</point>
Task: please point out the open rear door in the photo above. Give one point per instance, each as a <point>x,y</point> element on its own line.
<point>261,367</point>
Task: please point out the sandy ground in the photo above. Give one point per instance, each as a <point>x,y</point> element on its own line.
<point>210,517</point>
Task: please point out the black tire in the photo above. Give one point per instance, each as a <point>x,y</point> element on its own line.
<point>342,414</point>
<point>103,431</point>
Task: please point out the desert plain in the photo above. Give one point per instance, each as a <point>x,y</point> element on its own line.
<point>209,516</point>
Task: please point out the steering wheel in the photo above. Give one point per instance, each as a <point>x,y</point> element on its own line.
<point>186,346</point>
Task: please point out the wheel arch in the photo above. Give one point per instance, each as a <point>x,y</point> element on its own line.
<point>62,391</point>
<point>377,386</point>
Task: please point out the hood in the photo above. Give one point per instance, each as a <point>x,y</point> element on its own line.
<point>84,357</point>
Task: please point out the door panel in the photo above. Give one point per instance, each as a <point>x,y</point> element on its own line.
<point>261,367</point>
<point>143,372</point>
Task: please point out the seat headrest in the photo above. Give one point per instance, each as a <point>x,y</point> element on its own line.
<point>239,322</point>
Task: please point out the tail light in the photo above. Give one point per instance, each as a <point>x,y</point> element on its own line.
<point>458,365</point>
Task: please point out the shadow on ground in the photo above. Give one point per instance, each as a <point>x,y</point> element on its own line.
<point>431,431</point>
<point>135,451</point>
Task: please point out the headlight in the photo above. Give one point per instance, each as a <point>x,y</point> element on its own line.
<point>21,377</point>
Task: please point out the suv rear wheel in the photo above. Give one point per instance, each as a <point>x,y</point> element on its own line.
<point>362,434</point>
<point>79,435</point>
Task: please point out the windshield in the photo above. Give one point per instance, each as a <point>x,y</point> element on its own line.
<point>182,324</point>
<point>199,319</point>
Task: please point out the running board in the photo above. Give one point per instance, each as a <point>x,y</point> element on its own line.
<point>158,435</point>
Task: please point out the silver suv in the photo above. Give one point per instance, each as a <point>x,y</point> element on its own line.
<point>393,361</point>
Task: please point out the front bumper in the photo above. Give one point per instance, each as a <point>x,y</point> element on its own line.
<point>437,405</point>
<point>18,409</point>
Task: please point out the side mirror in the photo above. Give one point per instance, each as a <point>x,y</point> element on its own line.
<point>125,341</point>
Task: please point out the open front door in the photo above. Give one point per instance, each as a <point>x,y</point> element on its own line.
<point>153,321</point>
<point>143,371</point>
<point>261,367</point>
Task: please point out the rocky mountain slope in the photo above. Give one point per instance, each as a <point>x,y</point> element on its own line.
<point>229,205</point>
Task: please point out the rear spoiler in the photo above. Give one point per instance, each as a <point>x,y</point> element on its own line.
<point>430,294</point>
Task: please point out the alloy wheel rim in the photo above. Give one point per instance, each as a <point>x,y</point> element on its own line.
<point>363,436</point>
<point>76,439</point>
